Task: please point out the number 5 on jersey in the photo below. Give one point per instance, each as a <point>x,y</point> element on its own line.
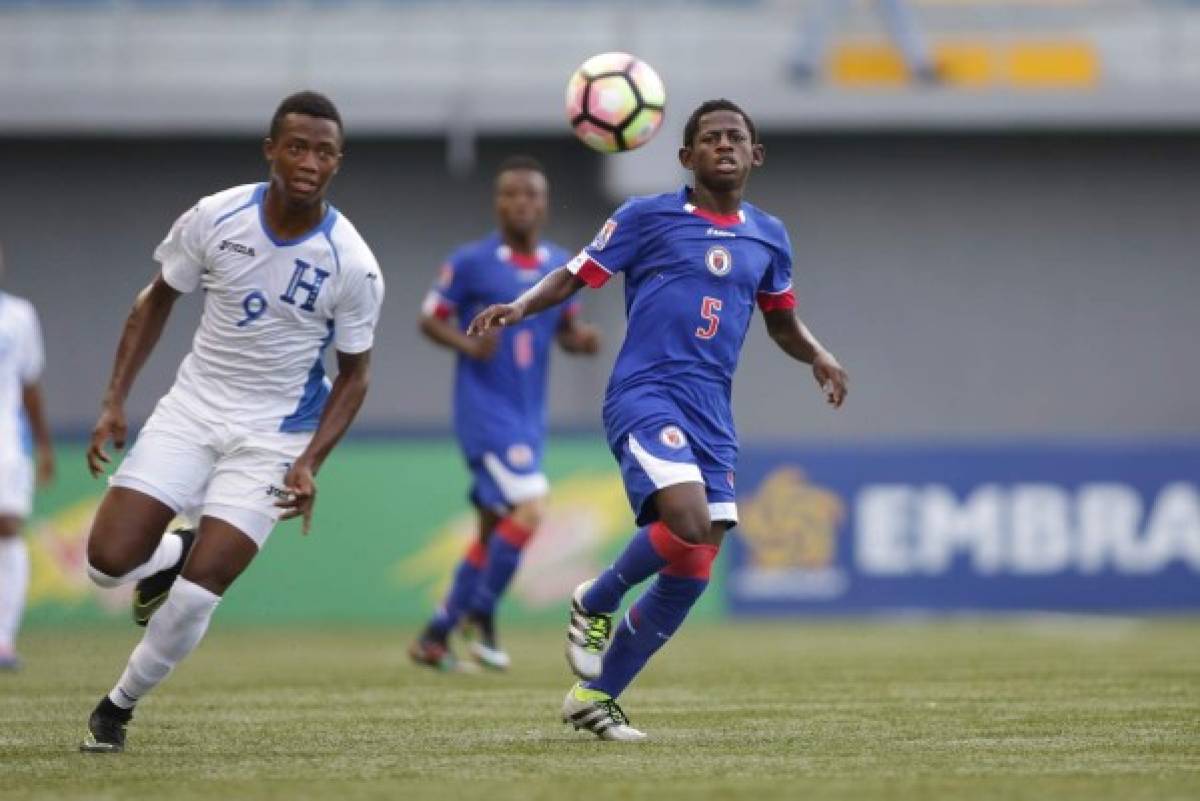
<point>709,308</point>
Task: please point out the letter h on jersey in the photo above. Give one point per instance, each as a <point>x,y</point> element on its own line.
<point>297,283</point>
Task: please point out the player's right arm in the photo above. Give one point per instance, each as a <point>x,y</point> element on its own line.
<point>440,310</point>
<point>613,250</point>
<point>181,256</point>
<point>552,290</point>
<point>142,330</point>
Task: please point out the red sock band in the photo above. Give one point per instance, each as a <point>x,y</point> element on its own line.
<point>684,559</point>
<point>513,532</point>
<point>477,554</point>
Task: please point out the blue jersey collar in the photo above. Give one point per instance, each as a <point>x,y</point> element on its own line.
<point>323,227</point>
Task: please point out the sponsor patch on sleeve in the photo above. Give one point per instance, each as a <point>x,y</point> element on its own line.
<point>605,234</point>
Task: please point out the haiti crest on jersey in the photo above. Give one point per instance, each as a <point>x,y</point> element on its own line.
<point>719,260</point>
<point>672,437</point>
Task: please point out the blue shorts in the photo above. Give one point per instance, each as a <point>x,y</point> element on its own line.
<point>504,476</point>
<point>655,458</point>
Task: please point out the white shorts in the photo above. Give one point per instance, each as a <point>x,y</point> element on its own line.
<point>16,487</point>
<point>222,470</point>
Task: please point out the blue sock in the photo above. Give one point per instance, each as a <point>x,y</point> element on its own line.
<point>503,555</point>
<point>462,588</point>
<point>638,562</point>
<point>648,625</point>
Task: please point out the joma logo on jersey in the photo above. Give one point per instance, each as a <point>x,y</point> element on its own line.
<point>721,232</point>
<point>311,288</point>
<point>236,247</point>
<point>719,260</point>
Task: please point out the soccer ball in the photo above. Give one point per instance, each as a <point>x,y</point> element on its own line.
<point>615,102</point>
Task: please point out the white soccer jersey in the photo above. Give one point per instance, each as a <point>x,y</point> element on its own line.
<point>270,309</point>
<point>21,359</point>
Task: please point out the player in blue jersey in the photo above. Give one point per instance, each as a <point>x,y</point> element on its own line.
<point>499,403</point>
<point>695,263</point>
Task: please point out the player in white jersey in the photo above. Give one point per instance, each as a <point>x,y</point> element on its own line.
<point>22,424</point>
<point>251,417</point>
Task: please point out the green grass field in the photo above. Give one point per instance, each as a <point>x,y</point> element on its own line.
<point>1040,709</point>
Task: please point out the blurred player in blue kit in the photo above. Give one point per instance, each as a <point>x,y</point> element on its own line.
<point>695,262</point>
<point>499,403</point>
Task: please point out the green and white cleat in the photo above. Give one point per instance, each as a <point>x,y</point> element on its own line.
<point>480,633</point>
<point>489,657</point>
<point>587,636</point>
<point>599,713</point>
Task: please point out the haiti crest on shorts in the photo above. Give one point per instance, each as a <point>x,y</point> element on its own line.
<point>672,437</point>
<point>520,455</point>
<point>719,260</point>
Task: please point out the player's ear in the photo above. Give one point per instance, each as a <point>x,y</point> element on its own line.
<point>758,155</point>
<point>268,149</point>
<point>685,157</point>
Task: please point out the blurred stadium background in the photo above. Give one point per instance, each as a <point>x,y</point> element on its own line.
<point>1003,252</point>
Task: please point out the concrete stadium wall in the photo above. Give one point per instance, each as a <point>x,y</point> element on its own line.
<point>974,286</point>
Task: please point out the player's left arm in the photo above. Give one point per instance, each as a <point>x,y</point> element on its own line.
<point>576,336</point>
<point>354,318</point>
<point>795,339</point>
<point>345,399</point>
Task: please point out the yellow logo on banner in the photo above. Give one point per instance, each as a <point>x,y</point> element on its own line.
<point>790,523</point>
<point>586,512</point>
<point>58,559</point>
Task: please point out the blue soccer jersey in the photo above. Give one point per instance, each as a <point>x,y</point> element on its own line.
<point>500,403</point>
<point>692,279</point>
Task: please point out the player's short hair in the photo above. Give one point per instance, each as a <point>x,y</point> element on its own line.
<point>520,162</point>
<point>312,104</point>
<point>692,127</point>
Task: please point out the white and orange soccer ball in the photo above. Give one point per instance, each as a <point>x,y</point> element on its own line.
<point>615,102</point>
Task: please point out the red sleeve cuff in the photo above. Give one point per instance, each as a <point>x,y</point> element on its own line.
<point>589,270</point>
<point>437,306</point>
<point>781,301</point>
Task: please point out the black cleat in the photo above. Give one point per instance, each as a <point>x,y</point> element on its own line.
<point>106,729</point>
<point>151,592</point>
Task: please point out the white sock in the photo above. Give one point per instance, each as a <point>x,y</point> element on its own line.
<point>169,549</point>
<point>172,634</point>
<point>14,580</point>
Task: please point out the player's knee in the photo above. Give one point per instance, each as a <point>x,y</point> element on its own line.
<point>105,564</point>
<point>689,525</point>
<point>214,577</point>
<point>9,526</point>
<point>529,514</point>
